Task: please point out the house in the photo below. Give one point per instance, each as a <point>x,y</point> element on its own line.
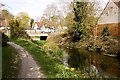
<point>110,18</point>
<point>39,26</point>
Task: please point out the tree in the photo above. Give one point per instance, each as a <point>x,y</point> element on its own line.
<point>54,20</point>
<point>66,14</point>
<point>4,38</point>
<point>16,31</point>
<point>45,20</point>
<point>51,16</point>
<point>68,21</point>
<point>65,7</point>
<point>6,18</point>
<point>79,30</point>
<point>105,33</point>
<point>31,23</point>
<point>23,19</point>
<point>84,18</point>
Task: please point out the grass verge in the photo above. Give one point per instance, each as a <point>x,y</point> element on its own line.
<point>40,42</point>
<point>10,62</point>
<point>52,68</point>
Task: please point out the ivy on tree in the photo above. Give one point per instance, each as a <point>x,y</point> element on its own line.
<point>78,29</point>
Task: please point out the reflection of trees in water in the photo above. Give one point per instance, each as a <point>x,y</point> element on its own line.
<point>94,63</point>
<point>75,59</point>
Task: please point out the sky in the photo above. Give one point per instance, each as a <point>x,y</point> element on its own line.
<point>34,8</point>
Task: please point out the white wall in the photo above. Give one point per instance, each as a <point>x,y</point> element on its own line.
<point>35,26</point>
<point>110,14</point>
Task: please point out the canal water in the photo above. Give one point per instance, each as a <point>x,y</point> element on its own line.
<point>91,62</point>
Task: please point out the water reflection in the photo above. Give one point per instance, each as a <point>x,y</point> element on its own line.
<point>92,62</point>
<point>75,59</point>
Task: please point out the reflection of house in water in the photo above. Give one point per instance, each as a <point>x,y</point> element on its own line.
<point>109,17</point>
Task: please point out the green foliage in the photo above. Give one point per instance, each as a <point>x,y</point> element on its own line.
<point>31,23</point>
<point>52,67</point>
<point>84,20</point>
<point>78,32</point>
<point>23,20</point>
<point>40,43</point>
<point>5,39</point>
<point>16,31</point>
<point>53,50</point>
<point>6,15</point>
<point>105,32</point>
<point>80,29</point>
<point>50,63</point>
<point>80,11</point>
<point>69,19</point>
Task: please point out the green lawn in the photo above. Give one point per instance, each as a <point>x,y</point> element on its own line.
<point>10,62</point>
<point>40,42</point>
<point>0,61</point>
<point>52,68</point>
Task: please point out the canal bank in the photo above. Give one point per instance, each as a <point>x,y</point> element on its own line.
<point>87,63</point>
<point>95,64</point>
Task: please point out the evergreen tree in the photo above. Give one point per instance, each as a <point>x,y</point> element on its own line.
<point>78,29</point>
<point>31,23</point>
<point>105,32</point>
<point>84,13</point>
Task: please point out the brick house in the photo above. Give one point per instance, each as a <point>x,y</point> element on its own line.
<point>110,18</point>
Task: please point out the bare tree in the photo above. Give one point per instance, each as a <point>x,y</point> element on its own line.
<point>51,15</point>
<point>65,6</point>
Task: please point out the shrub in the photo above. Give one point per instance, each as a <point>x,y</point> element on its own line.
<point>77,32</point>
<point>53,50</point>
<point>105,33</point>
<point>5,39</point>
<point>17,31</point>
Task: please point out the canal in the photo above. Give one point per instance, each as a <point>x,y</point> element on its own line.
<point>93,63</point>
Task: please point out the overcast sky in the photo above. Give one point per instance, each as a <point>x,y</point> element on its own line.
<point>34,8</point>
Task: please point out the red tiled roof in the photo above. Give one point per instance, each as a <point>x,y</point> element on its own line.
<point>40,24</point>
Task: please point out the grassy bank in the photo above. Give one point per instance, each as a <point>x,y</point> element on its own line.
<point>0,61</point>
<point>52,67</point>
<point>10,62</point>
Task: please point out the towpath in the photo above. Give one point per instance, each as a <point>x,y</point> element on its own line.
<point>29,67</point>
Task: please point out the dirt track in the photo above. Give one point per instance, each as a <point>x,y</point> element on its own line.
<point>29,67</point>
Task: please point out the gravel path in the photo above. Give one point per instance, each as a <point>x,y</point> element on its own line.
<point>29,68</point>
